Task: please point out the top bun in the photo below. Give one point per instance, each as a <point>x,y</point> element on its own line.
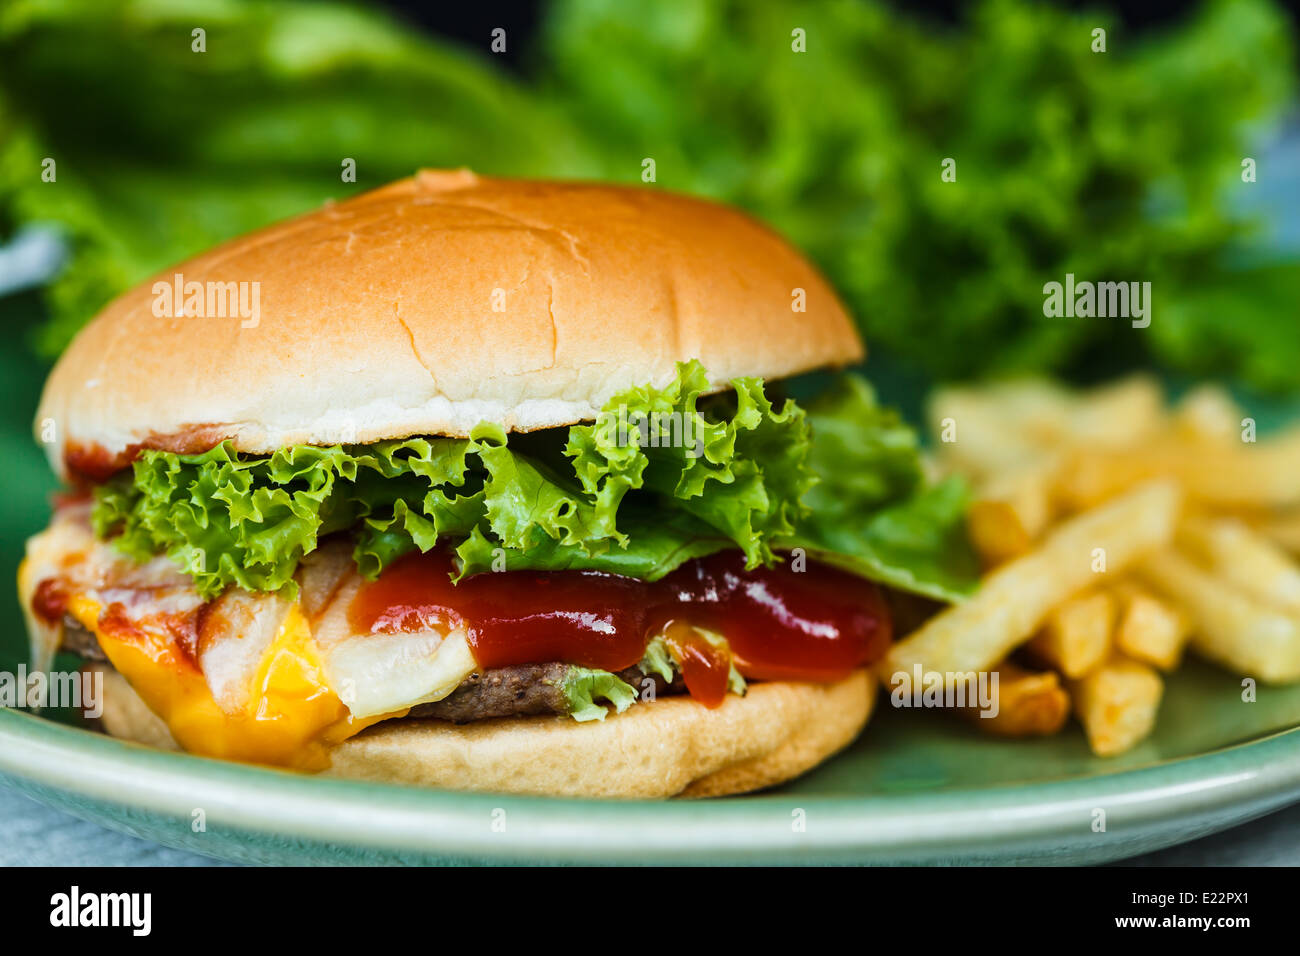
<point>430,305</point>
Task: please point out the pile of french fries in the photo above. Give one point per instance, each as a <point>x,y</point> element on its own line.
<point>1117,532</point>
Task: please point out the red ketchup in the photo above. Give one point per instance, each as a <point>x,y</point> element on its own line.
<point>705,668</point>
<point>50,601</point>
<point>815,625</point>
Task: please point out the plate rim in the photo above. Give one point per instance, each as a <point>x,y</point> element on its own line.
<point>995,822</point>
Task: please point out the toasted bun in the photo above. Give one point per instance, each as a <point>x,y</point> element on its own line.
<point>672,747</point>
<point>433,304</point>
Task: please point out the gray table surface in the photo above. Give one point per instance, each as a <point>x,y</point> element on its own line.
<point>32,834</point>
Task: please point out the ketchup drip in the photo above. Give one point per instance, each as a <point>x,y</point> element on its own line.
<point>706,669</point>
<point>815,625</point>
<point>50,601</point>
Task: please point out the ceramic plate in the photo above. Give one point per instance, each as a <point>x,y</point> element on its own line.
<point>916,788</point>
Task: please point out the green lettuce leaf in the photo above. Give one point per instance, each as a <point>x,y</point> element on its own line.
<point>1109,165</point>
<point>864,454</point>
<point>657,661</point>
<point>656,545</point>
<point>744,475</point>
<point>599,501</point>
<point>582,686</point>
<point>872,513</point>
<point>663,475</point>
<point>918,545</point>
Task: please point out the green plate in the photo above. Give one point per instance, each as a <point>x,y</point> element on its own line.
<point>916,787</point>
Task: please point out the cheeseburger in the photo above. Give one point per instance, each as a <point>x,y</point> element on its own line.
<point>485,484</point>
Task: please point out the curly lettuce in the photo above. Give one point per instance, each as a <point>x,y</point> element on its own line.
<point>662,476</point>
<point>872,512</point>
<point>582,686</point>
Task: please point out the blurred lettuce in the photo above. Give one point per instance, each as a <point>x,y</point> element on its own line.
<point>1123,165</point>
<point>162,152</point>
<point>1113,166</point>
<point>600,500</point>
<point>1242,320</point>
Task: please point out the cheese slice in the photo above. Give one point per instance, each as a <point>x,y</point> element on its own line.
<point>260,686</point>
<point>290,718</point>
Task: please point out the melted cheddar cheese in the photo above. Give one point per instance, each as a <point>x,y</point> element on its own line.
<point>252,678</point>
<point>291,718</point>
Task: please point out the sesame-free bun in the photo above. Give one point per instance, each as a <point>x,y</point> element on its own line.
<point>437,302</point>
<point>671,747</point>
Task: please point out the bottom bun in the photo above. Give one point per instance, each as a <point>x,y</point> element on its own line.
<point>672,747</point>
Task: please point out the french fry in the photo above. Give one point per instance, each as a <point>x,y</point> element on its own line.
<point>1117,704</point>
<point>1027,704</point>
<point>986,438</point>
<point>1207,413</point>
<point>1008,426</point>
<point>1117,415</point>
<point>1090,477</point>
<point>1077,636</point>
<point>1011,510</point>
<point>1282,529</point>
<point>1239,476</point>
<point>997,531</point>
<point>1228,627</point>
<point>1240,556</point>
<point>1224,581</point>
<point>1149,630</point>
<point>1016,598</point>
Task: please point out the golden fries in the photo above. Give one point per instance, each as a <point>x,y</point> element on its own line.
<point>1149,630</point>
<point>1059,473</point>
<point>1118,415</point>
<point>1011,511</point>
<point>997,531</point>
<point>1208,414</point>
<point>1077,637</point>
<point>1241,476</point>
<point>1117,704</point>
<point>1010,424</point>
<point>1262,475</point>
<point>1230,628</point>
<point>1246,559</point>
<point>975,434</point>
<point>1282,529</point>
<point>1028,704</point>
<point>1016,598</point>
